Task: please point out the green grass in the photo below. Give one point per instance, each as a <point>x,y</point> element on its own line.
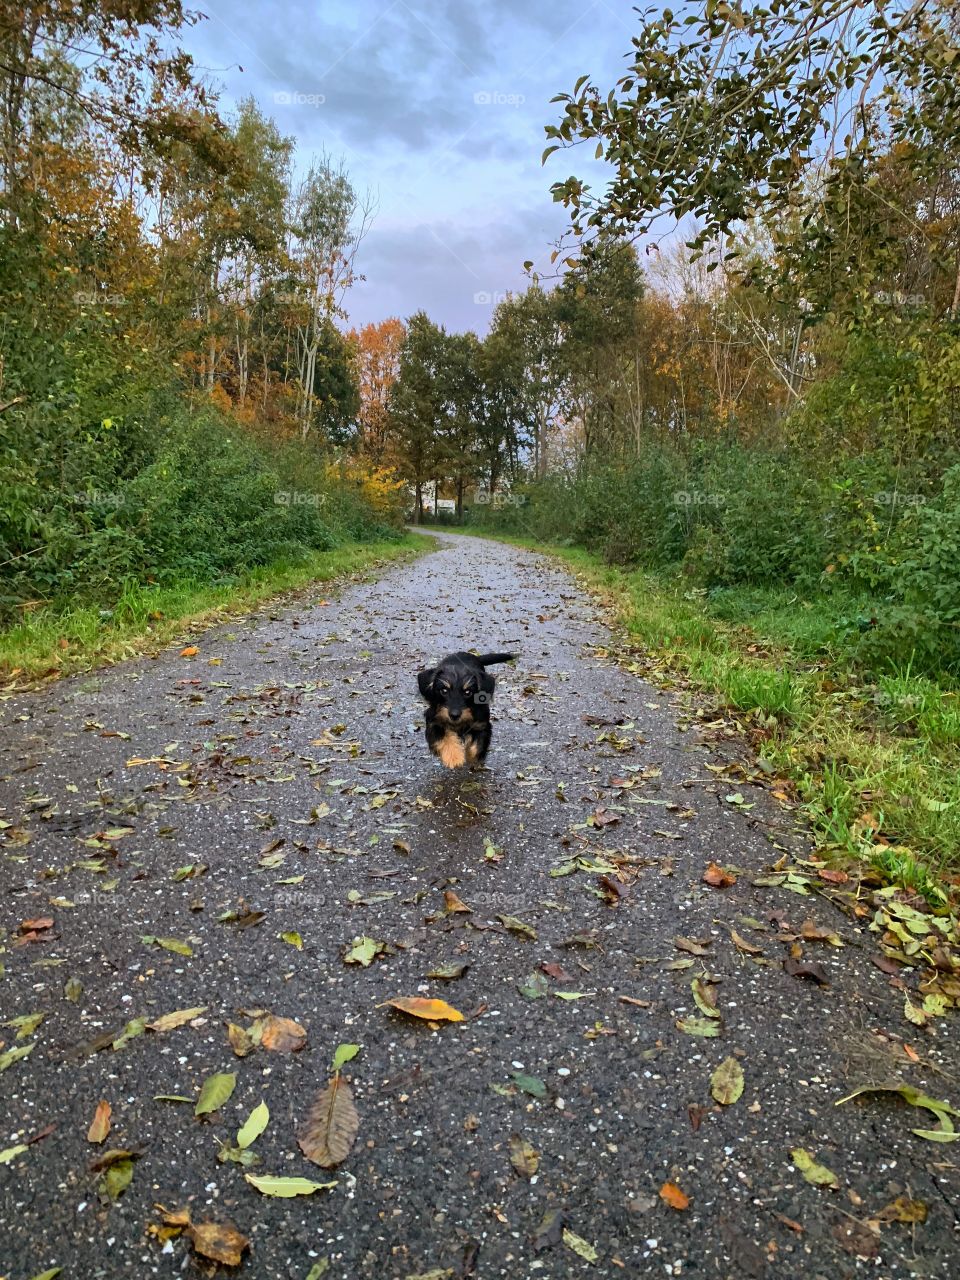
<point>864,755</point>
<point>51,642</point>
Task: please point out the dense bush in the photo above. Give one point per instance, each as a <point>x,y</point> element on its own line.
<point>728,516</point>
<point>161,495</point>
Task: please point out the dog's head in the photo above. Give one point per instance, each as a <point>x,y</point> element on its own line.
<point>458,689</point>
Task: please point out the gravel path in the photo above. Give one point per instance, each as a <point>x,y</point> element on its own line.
<point>276,783</point>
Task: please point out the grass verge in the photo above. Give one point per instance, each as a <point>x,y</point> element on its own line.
<point>52,642</point>
<point>875,763</point>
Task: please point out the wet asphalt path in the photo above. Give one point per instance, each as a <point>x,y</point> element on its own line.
<point>286,758</point>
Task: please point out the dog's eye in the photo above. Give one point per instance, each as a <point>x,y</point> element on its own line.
<point>467,690</point>
<point>444,688</point>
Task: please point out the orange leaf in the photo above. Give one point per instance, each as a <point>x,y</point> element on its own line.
<point>282,1034</point>
<point>453,903</point>
<point>190,651</point>
<point>833,877</point>
<point>671,1194</point>
<point>432,1010</point>
<point>717,878</point>
<point>32,926</point>
<point>100,1124</point>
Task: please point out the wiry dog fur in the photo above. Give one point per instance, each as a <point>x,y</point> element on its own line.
<point>458,691</point>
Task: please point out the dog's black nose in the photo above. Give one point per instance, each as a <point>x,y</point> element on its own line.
<point>454,715</point>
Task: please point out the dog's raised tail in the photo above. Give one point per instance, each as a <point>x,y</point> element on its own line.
<point>488,659</point>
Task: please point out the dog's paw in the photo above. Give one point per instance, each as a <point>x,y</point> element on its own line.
<point>452,752</point>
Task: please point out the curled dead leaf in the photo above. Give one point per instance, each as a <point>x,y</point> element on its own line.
<point>671,1194</point>
<point>283,1035</point>
<point>100,1124</point>
<point>717,878</point>
<point>430,1010</point>
<point>218,1241</point>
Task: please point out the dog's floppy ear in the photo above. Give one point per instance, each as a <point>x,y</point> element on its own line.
<point>425,679</point>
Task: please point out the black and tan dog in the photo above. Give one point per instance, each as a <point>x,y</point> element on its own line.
<point>459,691</point>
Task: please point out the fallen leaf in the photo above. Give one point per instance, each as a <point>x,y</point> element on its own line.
<point>806,969</point>
<point>671,1194</point>
<point>214,1092</point>
<point>283,1035</point>
<point>691,946</point>
<point>942,1110</point>
<point>331,1125</point>
<point>240,1039</point>
<point>11,1153</point>
<point>449,972</point>
<point>100,1124</point>
<point>748,948</point>
<point>717,878</point>
<point>579,1246</point>
<point>345,1053</point>
<point>698,1026</point>
<point>218,1241</point>
<point>550,1230</point>
<point>168,944</point>
<point>816,1174</point>
<point>530,1084</point>
<point>523,1157</point>
<point>170,1021</point>
<point>363,951</point>
<point>190,651</point>
<point>272,1185</point>
<point>518,926</point>
<point>452,903</point>
<point>13,1055</point>
<point>431,1010</point>
<point>726,1083</point>
<point>255,1124</point>
<point>293,938</point>
<point>903,1209</point>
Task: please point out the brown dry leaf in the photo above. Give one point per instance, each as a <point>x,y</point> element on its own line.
<point>331,1125</point>
<point>691,946</point>
<point>903,1209</point>
<point>807,969</point>
<point>282,1034</point>
<point>743,945</point>
<point>523,1157</point>
<point>36,926</point>
<point>833,877</point>
<point>190,651</point>
<point>100,1124</point>
<point>241,1040</point>
<point>219,1241</point>
<point>453,904</point>
<point>432,1010</point>
<point>717,878</point>
<point>671,1194</point>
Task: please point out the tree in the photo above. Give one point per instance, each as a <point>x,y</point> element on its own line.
<point>736,110</point>
<point>377,349</point>
<point>417,405</point>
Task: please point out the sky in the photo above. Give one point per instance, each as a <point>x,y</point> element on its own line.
<point>437,110</point>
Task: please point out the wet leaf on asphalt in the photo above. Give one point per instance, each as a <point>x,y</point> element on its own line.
<point>135,1027</point>
<point>10,1153</point>
<point>285,1188</point>
<point>218,1241</point>
<point>903,1209</point>
<point>26,1024</point>
<point>293,938</point>
<point>726,1083</point>
<point>430,1010</point>
<point>100,1124</point>
<point>331,1125</point>
<point>214,1092</point>
<point>523,1157</point>
<point>344,1053</point>
<point>579,1246</point>
<point>449,972</point>
<point>168,944</point>
<point>671,1194</point>
<point>816,1174</point>
<point>741,943</point>
<point>942,1110</point>
<point>806,969</point>
<point>170,1021</point>
<point>454,905</point>
<point>698,1026</point>
<point>282,1035</point>
<point>518,926</point>
<point>8,1058</point>
<point>254,1125</point>
<point>530,1084</point>
<point>534,986</point>
<point>550,1230</point>
<point>705,997</point>
<point>363,951</point>
<point>717,877</point>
